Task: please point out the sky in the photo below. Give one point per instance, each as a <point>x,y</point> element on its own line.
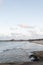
<point>21,14</point>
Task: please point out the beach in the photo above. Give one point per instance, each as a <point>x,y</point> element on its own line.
<point>25,63</point>
<point>37,41</point>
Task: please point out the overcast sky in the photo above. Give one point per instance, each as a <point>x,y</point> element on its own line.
<point>21,13</point>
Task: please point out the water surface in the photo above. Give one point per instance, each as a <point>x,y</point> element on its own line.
<point>17,51</point>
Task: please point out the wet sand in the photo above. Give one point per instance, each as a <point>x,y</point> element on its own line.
<point>25,63</point>
<point>33,63</point>
<point>37,41</point>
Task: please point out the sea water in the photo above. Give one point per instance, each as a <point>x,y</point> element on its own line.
<point>17,51</point>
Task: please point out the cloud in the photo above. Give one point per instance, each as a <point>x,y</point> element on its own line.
<point>27,31</point>
<point>23,32</point>
<point>25,26</point>
<point>34,32</point>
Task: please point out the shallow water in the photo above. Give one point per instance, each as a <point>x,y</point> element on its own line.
<point>17,51</point>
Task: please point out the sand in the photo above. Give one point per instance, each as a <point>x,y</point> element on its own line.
<point>37,42</point>
<point>25,63</point>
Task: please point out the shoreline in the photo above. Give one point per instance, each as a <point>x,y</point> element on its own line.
<point>24,63</point>
<point>30,40</point>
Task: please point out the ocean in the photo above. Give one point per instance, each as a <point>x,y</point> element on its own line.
<point>17,51</point>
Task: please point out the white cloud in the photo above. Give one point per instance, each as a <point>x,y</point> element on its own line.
<point>22,32</point>
<point>25,26</point>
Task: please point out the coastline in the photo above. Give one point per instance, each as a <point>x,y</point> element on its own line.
<point>24,63</point>
<point>30,40</point>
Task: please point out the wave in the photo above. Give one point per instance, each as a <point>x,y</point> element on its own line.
<point>6,50</point>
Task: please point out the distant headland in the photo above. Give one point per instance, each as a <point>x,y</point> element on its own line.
<point>21,40</point>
